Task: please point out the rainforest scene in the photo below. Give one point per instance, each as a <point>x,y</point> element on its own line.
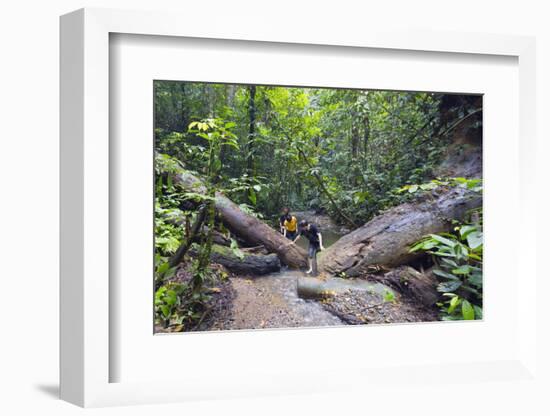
<point>293,207</point>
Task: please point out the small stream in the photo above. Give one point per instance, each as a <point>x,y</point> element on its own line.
<point>305,312</point>
<point>272,301</point>
<point>283,286</point>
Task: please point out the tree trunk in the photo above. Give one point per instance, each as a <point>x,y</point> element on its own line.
<point>230,91</point>
<point>251,129</point>
<point>385,240</point>
<point>247,227</point>
<point>250,264</point>
<point>421,287</point>
<point>366,136</point>
<point>354,139</point>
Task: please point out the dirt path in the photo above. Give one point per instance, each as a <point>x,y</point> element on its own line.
<point>268,302</point>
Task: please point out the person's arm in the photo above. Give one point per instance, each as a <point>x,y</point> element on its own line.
<point>284,231</point>
<point>320,241</point>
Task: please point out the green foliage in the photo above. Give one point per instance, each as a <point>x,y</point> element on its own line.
<point>458,259</point>
<point>177,304</point>
<point>344,151</point>
<point>389,296</point>
<point>351,153</point>
<point>475,185</point>
<point>235,250</point>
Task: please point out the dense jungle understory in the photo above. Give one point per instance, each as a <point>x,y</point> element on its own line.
<point>392,180</point>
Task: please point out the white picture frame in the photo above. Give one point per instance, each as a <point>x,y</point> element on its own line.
<point>86,356</point>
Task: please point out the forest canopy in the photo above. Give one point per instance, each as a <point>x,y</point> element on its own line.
<point>342,150</point>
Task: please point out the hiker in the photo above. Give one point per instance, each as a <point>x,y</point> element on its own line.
<point>290,226</point>
<point>311,232</point>
<point>282,219</point>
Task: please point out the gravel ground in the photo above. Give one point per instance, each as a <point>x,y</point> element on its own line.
<point>266,302</point>
<point>272,301</point>
<point>355,308</point>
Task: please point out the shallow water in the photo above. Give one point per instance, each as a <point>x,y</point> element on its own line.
<point>329,238</point>
<point>283,284</point>
<point>307,312</point>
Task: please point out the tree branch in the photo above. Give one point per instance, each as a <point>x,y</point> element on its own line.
<point>184,247</point>
<point>348,220</point>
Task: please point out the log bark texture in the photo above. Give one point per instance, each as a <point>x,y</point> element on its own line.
<point>385,240</point>
<point>248,227</point>
<point>421,287</point>
<point>250,264</point>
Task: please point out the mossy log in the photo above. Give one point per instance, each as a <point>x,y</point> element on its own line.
<point>246,226</point>
<point>384,242</point>
<point>315,288</point>
<point>249,264</point>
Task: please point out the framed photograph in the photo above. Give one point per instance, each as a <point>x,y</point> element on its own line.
<point>286,213</point>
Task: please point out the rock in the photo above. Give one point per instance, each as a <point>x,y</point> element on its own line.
<point>311,287</point>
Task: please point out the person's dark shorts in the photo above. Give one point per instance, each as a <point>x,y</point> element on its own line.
<point>291,235</point>
<point>312,250</point>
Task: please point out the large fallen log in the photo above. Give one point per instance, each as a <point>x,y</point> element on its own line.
<point>246,226</point>
<point>385,240</point>
<point>250,264</point>
<point>421,287</point>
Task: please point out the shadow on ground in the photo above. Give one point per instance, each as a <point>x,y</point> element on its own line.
<point>51,390</point>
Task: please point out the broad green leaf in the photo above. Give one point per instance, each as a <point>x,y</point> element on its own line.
<point>443,240</point>
<point>449,286</point>
<point>166,310</point>
<point>475,239</point>
<point>462,270</point>
<point>252,196</point>
<point>449,262</point>
<point>468,312</point>
<point>478,312</point>
<point>453,304</point>
<point>466,229</point>
<point>476,279</point>
<point>442,273</point>
<point>163,268</point>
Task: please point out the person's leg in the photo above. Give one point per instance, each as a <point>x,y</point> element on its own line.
<point>314,262</point>
<point>310,255</point>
